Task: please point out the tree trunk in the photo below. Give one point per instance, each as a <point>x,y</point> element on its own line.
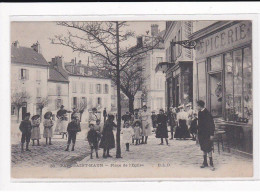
<point>118,148</point>
<point>41,114</point>
<point>131,104</point>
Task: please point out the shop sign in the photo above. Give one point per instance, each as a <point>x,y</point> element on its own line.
<point>223,40</point>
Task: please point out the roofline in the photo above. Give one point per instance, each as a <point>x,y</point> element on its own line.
<point>86,76</point>
<point>18,63</point>
<point>51,80</point>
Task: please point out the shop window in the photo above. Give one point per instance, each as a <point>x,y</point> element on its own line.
<point>229,85</point>
<point>201,72</point>
<point>247,76</point>
<point>215,63</point>
<point>215,81</point>
<point>238,87</point>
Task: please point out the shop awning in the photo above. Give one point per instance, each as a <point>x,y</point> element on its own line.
<point>163,66</point>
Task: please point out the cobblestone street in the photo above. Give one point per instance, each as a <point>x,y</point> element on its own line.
<point>181,159</point>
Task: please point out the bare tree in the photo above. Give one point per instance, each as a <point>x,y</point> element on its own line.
<point>17,100</point>
<point>82,107</point>
<point>41,103</point>
<point>104,42</point>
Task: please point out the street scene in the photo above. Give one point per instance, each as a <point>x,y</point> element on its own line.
<point>125,99</point>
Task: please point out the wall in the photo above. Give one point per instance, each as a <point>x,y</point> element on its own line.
<point>29,85</point>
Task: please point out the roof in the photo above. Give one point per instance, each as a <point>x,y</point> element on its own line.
<point>27,56</point>
<point>56,75</point>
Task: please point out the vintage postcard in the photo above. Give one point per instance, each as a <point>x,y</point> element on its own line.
<point>159,99</point>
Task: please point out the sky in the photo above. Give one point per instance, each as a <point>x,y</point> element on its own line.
<point>28,33</point>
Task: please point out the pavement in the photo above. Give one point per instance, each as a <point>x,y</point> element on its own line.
<point>181,159</point>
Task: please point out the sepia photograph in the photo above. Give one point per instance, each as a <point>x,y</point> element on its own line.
<point>131,99</point>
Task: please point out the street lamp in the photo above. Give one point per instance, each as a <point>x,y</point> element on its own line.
<point>189,44</point>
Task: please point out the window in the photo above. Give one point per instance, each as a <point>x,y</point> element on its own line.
<point>12,110</point>
<point>83,88</point>
<point>58,89</point>
<point>99,101</point>
<point>175,49</point>
<point>38,75</point>
<point>172,52</point>
<point>24,74</point>
<point>215,63</point>
<point>83,100</point>
<point>106,89</point>
<point>91,88</point>
<point>74,102</point>
<point>201,72</point>
<point>74,87</point>
<point>90,103</point>
<point>98,88</point>
<point>179,39</point>
<point>38,92</point>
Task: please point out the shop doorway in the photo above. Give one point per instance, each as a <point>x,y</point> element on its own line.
<point>215,94</point>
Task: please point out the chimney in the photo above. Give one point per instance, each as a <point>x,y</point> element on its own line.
<point>154,30</point>
<point>16,44</point>
<point>36,47</point>
<point>139,41</point>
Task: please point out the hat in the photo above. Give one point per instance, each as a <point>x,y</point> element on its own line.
<point>47,114</point>
<point>188,105</point>
<point>27,114</point>
<point>181,106</point>
<point>61,106</point>
<point>34,117</point>
<point>137,122</point>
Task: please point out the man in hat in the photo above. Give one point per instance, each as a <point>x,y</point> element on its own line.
<point>26,128</point>
<point>172,120</point>
<point>73,128</point>
<point>206,128</point>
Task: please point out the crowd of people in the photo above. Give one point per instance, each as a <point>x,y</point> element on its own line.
<point>182,122</point>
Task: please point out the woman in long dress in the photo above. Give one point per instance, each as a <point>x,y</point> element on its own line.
<point>62,122</point>
<point>182,129</point>
<point>36,135</point>
<point>48,125</point>
<point>107,140</point>
<point>162,131</point>
<point>146,124</point>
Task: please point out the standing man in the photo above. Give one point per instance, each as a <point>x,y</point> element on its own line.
<point>105,114</point>
<point>206,128</point>
<point>172,120</point>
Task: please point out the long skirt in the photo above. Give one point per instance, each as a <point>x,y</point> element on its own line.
<point>36,134</point>
<point>146,129</point>
<point>206,145</point>
<point>107,140</point>
<point>182,130</point>
<point>47,132</point>
<point>161,131</point>
<point>61,126</point>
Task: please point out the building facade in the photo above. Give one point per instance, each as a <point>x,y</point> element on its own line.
<point>223,77</point>
<point>178,64</point>
<point>88,87</point>
<point>58,85</point>
<point>29,72</point>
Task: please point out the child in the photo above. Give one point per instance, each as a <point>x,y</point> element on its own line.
<point>194,126</point>
<point>128,132</point>
<point>73,128</point>
<point>48,124</point>
<point>137,131</point>
<point>26,127</point>
<point>36,129</point>
<point>93,138</point>
<point>97,128</point>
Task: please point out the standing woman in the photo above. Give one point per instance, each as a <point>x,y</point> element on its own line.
<point>182,119</point>
<point>48,124</point>
<point>107,140</point>
<point>162,131</point>
<point>36,135</point>
<point>146,124</point>
<point>172,120</point>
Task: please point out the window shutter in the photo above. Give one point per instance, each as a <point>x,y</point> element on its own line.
<point>19,73</point>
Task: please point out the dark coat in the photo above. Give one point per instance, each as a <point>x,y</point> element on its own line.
<point>194,126</point>
<point>25,126</point>
<point>73,127</point>
<point>154,120</point>
<point>162,131</point>
<point>93,137</point>
<point>206,128</point>
<point>107,139</point>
